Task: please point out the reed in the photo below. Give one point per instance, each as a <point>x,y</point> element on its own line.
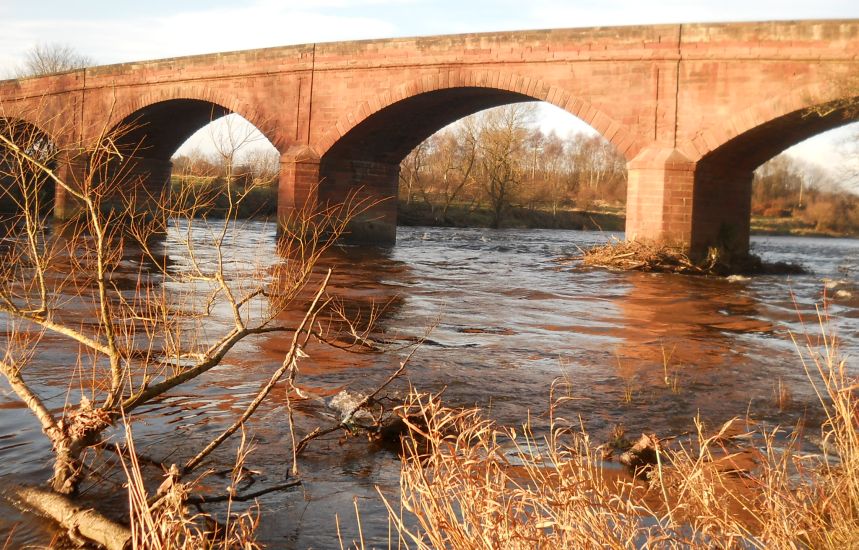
<point>469,483</point>
<point>169,523</point>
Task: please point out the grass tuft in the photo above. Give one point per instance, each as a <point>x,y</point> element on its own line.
<point>467,483</point>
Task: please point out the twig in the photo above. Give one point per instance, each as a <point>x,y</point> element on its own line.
<point>201,499</point>
<point>288,363</point>
<point>319,432</point>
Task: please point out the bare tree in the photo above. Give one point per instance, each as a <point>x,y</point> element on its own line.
<point>142,343</point>
<point>498,157</point>
<point>502,144</point>
<point>43,59</point>
<point>459,152</point>
<point>600,170</point>
<point>231,137</point>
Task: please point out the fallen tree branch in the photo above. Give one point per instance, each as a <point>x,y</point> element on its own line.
<point>347,418</point>
<point>202,499</point>
<point>80,522</point>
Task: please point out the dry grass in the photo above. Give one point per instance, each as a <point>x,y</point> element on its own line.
<point>467,483</point>
<point>663,258</point>
<point>167,523</point>
<point>782,396</point>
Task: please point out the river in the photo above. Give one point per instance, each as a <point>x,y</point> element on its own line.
<point>508,319</point>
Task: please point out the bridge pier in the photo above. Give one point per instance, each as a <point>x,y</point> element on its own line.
<point>139,181</point>
<point>673,200</point>
<point>306,181</point>
<point>72,170</point>
<point>722,210</point>
<point>659,197</point>
<point>369,186</point>
<point>298,182</point>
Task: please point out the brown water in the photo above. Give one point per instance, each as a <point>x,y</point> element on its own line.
<point>509,320</point>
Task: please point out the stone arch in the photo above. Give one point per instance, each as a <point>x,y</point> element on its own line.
<point>534,89</point>
<point>724,159</point>
<point>149,129</point>
<point>219,101</point>
<point>785,120</point>
<point>361,153</point>
<point>44,127</point>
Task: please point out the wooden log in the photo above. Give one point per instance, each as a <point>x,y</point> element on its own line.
<point>81,522</point>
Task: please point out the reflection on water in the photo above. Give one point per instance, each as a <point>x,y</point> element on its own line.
<point>648,351</point>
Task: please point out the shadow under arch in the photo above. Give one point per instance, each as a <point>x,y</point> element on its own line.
<point>148,132</point>
<point>19,177</point>
<point>157,130</point>
<point>723,175</point>
<point>191,105</point>
<point>486,84</point>
<point>363,152</point>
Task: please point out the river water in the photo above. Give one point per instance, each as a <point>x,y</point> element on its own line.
<point>508,318</point>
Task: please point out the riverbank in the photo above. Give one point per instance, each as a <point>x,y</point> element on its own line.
<point>261,202</point>
<point>515,217</point>
<point>793,227</point>
<point>607,218</point>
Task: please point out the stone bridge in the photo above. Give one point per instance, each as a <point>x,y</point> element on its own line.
<point>694,109</point>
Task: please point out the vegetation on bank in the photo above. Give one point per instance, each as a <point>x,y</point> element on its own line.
<point>458,215</point>
<point>261,202</point>
<point>495,169</point>
<point>211,196</point>
<point>795,198</point>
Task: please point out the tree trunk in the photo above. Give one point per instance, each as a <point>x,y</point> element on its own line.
<point>67,470</point>
<point>86,523</point>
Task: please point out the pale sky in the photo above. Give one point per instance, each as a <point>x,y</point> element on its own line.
<point>118,30</point>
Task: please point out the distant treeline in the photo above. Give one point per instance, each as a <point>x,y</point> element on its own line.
<point>788,188</point>
<point>496,162</point>
<point>203,181</point>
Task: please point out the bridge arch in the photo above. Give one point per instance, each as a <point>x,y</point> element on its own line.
<point>499,83</point>
<point>775,124</point>
<point>19,178</point>
<point>178,100</point>
<point>364,148</point>
<point>721,208</point>
<point>149,130</point>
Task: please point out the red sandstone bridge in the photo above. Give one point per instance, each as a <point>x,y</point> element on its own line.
<point>694,108</point>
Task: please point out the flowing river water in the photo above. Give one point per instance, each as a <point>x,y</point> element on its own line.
<point>508,320</point>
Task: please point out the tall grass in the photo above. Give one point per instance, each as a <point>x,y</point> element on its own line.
<point>468,483</point>
<point>167,523</point>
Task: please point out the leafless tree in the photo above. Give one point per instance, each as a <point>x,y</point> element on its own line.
<point>412,171</point>
<point>139,344</point>
<point>502,144</point>
<point>43,59</point>
<point>498,158</point>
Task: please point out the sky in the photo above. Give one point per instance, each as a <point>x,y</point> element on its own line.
<point>114,31</point>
